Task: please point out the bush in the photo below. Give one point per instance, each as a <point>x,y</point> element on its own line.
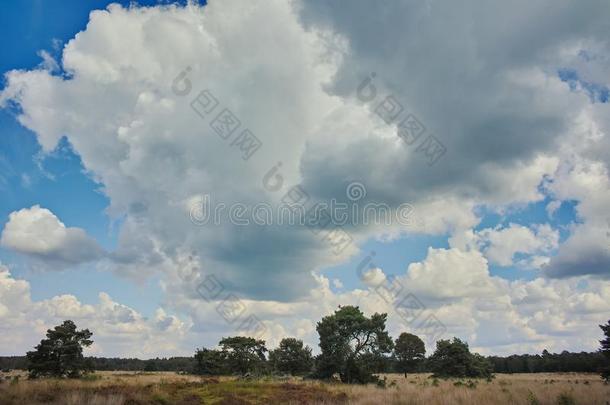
<point>565,399</point>
<point>532,399</point>
<point>91,377</point>
<point>453,359</point>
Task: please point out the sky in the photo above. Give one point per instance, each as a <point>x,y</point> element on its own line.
<point>147,151</point>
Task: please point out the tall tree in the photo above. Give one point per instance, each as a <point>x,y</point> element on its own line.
<point>61,353</point>
<point>291,357</point>
<point>410,351</point>
<point>243,354</point>
<point>605,349</point>
<point>348,342</point>
<point>453,359</point>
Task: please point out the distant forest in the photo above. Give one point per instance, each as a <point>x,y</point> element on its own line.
<point>582,362</point>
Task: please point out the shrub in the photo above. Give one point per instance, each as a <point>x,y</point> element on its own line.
<point>565,399</point>
<point>532,399</point>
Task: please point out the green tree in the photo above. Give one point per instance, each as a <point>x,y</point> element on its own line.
<point>291,357</point>
<point>605,349</point>
<point>61,353</point>
<point>348,342</point>
<point>410,351</point>
<point>453,359</point>
<point>210,362</point>
<point>243,354</point>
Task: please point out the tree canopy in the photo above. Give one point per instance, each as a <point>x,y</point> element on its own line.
<point>410,351</point>
<point>210,362</point>
<point>453,359</point>
<point>61,353</point>
<point>243,354</point>
<point>291,357</point>
<point>348,342</point>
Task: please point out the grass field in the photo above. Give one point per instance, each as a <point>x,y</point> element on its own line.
<point>106,388</point>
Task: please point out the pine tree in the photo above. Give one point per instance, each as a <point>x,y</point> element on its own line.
<point>61,353</point>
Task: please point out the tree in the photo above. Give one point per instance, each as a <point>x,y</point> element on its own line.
<point>409,350</point>
<point>210,362</point>
<point>605,349</point>
<point>348,341</point>
<point>291,357</point>
<point>243,354</point>
<point>61,353</point>
<point>453,359</point>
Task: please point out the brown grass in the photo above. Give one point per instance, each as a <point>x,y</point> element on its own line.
<point>504,389</point>
<point>122,388</point>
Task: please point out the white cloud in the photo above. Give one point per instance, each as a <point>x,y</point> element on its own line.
<point>38,233</point>
<point>117,329</point>
<point>289,72</point>
<point>587,250</point>
<point>500,245</point>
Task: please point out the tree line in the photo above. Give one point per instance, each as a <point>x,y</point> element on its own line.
<point>583,362</point>
<point>353,348</point>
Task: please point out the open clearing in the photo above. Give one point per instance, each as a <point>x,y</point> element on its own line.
<point>117,388</point>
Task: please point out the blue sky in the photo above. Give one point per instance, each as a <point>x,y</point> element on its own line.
<point>520,203</point>
<point>58,181</point>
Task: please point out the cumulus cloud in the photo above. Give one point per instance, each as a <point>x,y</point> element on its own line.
<point>586,251</point>
<point>153,153</point>
<point>117,329</point>
<point>38,233</point>
<point>501,244</point>
<point>495,315</point>
<point>513,129</point>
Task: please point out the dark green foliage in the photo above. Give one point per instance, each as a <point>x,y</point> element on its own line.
<point>243,354</point>
<point>549,362</point>
<point>605,350</point>
<point>210,362</point>
<point>184,364</point>
<point>237,355</point>
<point>453,359</point>
<point>8,363</point>
<point>349,342</point>
<point>291,357</point>
<point>61,353</point>
<point>410,351</point>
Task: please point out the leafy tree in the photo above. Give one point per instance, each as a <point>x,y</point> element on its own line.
<point>605,349</point>
<point>453,359</point>
<point>243,354</point>
<point>210,362</point>
<point>410,351</point>
<point>61,353</point>
<point>348,341</point>
<point>291,357</point>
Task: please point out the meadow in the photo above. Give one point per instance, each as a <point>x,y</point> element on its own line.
<point>118,388</point>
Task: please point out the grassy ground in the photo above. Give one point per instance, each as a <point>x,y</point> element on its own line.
<point>114,388</point>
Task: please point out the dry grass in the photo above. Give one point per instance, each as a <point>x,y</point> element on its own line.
<point>123,388</point>
<point>543,389</point>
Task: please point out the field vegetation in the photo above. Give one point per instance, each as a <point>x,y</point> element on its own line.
<point>129,388</point>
